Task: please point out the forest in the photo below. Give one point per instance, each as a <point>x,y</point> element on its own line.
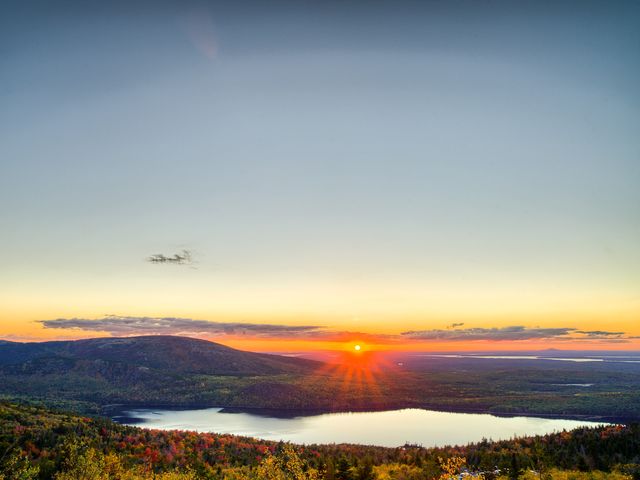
<point>39,443</point>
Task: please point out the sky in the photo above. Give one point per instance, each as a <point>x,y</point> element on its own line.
<point>437,175</point>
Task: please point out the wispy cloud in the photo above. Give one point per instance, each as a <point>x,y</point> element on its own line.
<point>118,325</point>
<point>600,334</point>
<point>124,326</point>
<point>511,333</point>
<point>456,325</point>
<point>182,258</point>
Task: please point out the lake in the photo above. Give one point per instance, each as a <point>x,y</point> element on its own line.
<point>587,359</point>
<point>387,428</point>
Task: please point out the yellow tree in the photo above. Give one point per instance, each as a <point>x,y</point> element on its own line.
<point>287,465</point>
<point>452,467</point>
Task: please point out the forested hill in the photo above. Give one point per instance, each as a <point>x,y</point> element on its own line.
<point>87,375</point>
<point>169,354</point>
<point>41,444</point>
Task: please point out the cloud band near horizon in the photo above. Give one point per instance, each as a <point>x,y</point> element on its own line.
<point>513,333</point>
<point>117,325</point>
<point>126,325</point>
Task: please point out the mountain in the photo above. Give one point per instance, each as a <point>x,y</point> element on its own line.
<point>165,353</point>
<point>87,375</point>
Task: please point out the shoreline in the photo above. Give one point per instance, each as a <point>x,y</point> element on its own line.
<point>117,412</point>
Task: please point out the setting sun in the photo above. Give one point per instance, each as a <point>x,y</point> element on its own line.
<point>357,348</point>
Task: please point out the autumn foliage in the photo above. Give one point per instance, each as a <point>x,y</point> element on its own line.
<point>40,444</point>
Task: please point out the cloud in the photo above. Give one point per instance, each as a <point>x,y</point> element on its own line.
<point>124,326</point>
<point>511,333</point>
<point>9,337</point>
<point>183,258</point>
<point>456,325</point>
<point>600,334</point>
<point>118,325</point>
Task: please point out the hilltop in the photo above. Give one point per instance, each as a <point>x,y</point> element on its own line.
<point>87,375</point>
<point>161,353</point>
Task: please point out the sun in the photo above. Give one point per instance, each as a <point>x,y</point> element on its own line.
<point>357,348</point>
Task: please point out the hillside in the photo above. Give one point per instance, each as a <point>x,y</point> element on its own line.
<point>43,444</point>
<point>89,374</point>
<point>158,353</point>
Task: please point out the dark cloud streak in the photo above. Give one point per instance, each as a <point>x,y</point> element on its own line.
<point>456,325</point>
<point>118,325</point>
<point>512,333</point>
<point>599,333</point>
<point>124,326</point>
<point>183,258</point>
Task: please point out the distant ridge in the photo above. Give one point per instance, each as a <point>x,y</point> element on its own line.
<point>169,354</point>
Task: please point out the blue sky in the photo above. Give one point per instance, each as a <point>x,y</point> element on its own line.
<point>322,160</point>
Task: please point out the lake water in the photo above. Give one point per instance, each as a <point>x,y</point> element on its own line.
<point>388,428</point>
<point>606,359</point>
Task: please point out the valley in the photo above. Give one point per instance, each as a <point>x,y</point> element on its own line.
<point>103,376</point>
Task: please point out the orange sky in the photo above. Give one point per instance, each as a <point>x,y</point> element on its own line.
<point>342,335</point>
<point>440,181</point>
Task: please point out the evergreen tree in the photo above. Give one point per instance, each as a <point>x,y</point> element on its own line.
<point>365,470</point>
<point>330,470</point>
<point>514,470</point>
<point>343,470</point>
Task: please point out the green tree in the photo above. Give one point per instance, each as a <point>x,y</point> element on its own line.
<point>364,471</point>
<point>329,470</point>
<point>18,467</point>
<point>81,462</point>
<point>343,469</point>
<point>514,470</point>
